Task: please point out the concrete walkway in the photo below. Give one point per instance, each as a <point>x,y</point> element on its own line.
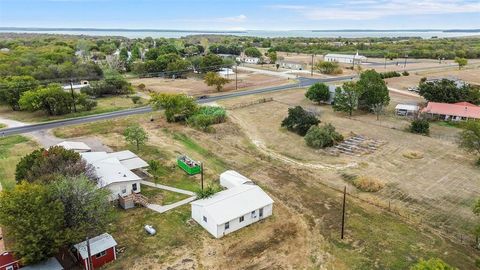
<point>164,208</point>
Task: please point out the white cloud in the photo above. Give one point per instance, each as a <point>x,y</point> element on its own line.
<point>239,18</point>
<point>371,9</point>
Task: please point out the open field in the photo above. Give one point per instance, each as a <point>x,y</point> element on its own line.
<point>470,75</point>
<point>12,149</point>
<point>441,187</point>
<point>106,104</point>
<point>195,86</point>
<point>304,231</point>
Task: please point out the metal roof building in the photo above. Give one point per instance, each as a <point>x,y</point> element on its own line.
<point>230,179</point>
<point>79,147</point>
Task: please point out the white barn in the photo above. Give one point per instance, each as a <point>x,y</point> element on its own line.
<point>345,58</point>
<point>230,179</point>
<point>232,209</point>
<point>114,171</point>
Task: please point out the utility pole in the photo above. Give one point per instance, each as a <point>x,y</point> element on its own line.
<point>312,66</point>
<point>89,260</point>
<point>385,62</point>
<point>201,173</point>
<point>343,211</point>
<point>236,78</point>
<point>73,95</point>
<point>405,65</point>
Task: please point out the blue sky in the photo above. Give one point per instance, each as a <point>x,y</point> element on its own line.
<point>242,15</point>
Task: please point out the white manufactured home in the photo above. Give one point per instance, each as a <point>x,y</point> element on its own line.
<point>232,209</point>
<point>230,179</point>
<point>345,58</point>
<point>114,171</point>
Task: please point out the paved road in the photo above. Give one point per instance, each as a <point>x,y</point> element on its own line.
<point>302,82</point>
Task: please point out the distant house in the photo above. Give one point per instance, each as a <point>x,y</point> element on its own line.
<point>345,58</point>
<point>78,147</point>
<point>406,109</point>
<point>452,112</point>
<point>232,209</point>
<point>76,87</point>
<point>291,65</point>
<point>248,60</point>
<point>114,171</point>
<point>8,262</point>
<point>332,90</point>
<point>226,72</point>
<point>102,251</point>
<point>49,264</point>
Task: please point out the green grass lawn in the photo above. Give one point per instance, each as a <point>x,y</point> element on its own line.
<point>106,104</point>
<point>12,149</point>
<point>161,196</point>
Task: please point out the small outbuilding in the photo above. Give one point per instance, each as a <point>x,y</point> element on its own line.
<point>8,261</point>
<point>232,209</point>
<point>230,179</point>
<point>406,109</point>
<point>102,251</point>
<point>79,147</point>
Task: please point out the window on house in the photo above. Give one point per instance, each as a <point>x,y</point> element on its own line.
<point>242,218</point>
<point>9,267</point>
<point>205,218</point>
<point>124,189</point>
<point>101,254</point>
<point>134,187</point>
<point>227,225</point>
<point>254,214</point>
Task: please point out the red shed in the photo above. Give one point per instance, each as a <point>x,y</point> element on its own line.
<point>102,250</point>
<point>8,262</point>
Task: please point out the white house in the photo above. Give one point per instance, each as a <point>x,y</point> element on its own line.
<point>232,209</point>
<point>76,87</point>
<point>345,58</point>
<point>290,65</point>
<point>230,179</point>
<point>114,171</point>
<point>79,147</point>
<point>248,60</point>
<point>226,72</point>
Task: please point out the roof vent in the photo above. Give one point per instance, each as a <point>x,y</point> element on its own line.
<point>124,175</point>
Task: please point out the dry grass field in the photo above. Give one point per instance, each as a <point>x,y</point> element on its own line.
<point>440,187</point>
<point>196,86</point>
<point>303,233</point>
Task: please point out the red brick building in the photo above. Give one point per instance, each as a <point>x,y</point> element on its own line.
<point>8,262</point>
<point>102,251</point>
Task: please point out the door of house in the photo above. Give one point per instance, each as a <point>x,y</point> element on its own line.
<point>134,187</point>
<point>260,213</point>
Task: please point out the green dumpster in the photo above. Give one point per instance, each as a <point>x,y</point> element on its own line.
<point>189,165</point>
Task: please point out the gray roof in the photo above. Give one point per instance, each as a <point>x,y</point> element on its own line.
<point>97,245</point>
<point>50,264</point>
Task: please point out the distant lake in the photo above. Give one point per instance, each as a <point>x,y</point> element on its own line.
<point>257,33</point>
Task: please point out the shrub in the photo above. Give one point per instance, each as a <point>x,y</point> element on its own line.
<point>207,192</point>
<point>420,126</point>
<point>135,99</point>
<point>141,86</point>
<point>207,116</point>
<point>321,137</point>
<point>405,73</point>
<point>318,92</point>
<point>368,184</point>
<point>389,74</point>
<point>299,120</point>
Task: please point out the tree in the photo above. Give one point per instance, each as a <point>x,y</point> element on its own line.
<point>318,92</point>
<point>213,79</point>
<point>469,138</point>
<point>420,126</point>
<point>211,62</point>
<point>113,84</point>
<point>45,165</point>
<point>346,98</point>
<point>252,52</point>
<point>177,107</point>
<point>87,210</point>
<point>136,135</point>
<point>272,56</point>
<point>299,120</point>
<point>328,67</point>
<point>12,87</point>
<point>374,92</point>
<point>448,91</point>
<point>391,55</point>
<point>432,264</point>
<point>461,62</point>
<point>33,218</point>
<point>321,137</point>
